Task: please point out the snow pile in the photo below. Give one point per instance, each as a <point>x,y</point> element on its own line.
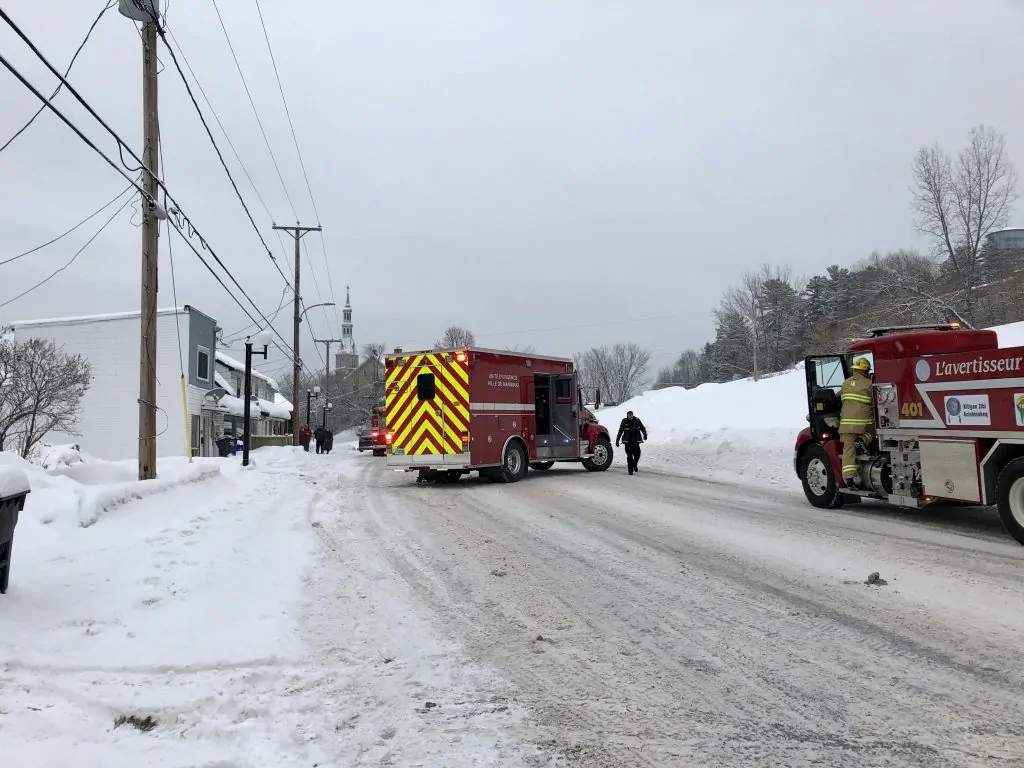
<point>76,494</point>
<point>13,482</point>
<point>53,456</point>
<point>741,431</point>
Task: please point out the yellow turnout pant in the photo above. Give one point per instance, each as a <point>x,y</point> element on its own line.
<point>850,440</point>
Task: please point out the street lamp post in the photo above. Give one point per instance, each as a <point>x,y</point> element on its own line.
<point>262,339</point>
<point>328,407</point>
<point>310,394</point>
<point>314,306</point>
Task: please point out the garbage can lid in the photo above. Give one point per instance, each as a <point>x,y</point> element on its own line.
<point>13,482</point>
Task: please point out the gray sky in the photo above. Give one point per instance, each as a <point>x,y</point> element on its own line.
<point>592,171</point>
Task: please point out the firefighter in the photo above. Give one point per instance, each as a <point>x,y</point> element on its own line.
<point>856,418</point>
<point>631,429</point>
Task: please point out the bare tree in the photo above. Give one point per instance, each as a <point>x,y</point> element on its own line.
<point>41,390</point>
<point>958,203</point>
<point>618,371</point>
<point>455,337</point>
<point>374,350</point>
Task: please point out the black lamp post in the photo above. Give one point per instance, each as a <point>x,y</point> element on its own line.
<point>327,408</point>
<point>261,339</point>
<point>310,394</point>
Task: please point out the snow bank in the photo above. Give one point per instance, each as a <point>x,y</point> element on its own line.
<point>76,494</point>
<point>13,481</point>
<point>742,431</point>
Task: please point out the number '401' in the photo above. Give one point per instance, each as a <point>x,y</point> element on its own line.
<point>912,410</point>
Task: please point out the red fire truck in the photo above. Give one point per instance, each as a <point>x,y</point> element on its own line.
<point>378,430</point>
<point>949,413</point>
<point>451,412</point>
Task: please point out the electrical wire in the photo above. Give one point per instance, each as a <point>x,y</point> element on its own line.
<point>220,156</point>
<point>49,104</point>
<point>252,103</point>
<point>302,163</point>
<point>88,218</point>
<point>70,261</point>
<point>67,72</point>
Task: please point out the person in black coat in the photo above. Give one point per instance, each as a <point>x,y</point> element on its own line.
<point>633,432</point>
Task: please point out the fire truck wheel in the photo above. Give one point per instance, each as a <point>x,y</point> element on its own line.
<point>513,463</point>
<point>1010,498</point>
<point>819,479</point>
<point>602,458</point>
<point>542,466</point>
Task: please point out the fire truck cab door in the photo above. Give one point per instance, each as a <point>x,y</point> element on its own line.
<point>825,376</point>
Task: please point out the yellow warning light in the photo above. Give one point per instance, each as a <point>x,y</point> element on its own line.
<point>954,324</point>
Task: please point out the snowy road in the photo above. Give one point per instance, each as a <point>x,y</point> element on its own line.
<point>659,621</point>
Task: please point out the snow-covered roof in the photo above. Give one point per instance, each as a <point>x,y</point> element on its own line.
<point>281,400</point>
<point>259,407</point>
<point>222,382</point>
<point>77,319</point>
<point>230,362</point>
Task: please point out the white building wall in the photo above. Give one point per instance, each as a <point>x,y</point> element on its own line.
<point>110,415</point>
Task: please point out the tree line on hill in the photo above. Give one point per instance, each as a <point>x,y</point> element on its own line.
<point>773,318</point>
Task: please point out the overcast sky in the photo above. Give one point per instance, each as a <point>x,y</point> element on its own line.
<point>562,173</point>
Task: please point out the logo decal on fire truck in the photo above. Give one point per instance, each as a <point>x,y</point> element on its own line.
<point>968,410</point>
<point>1018,408</point>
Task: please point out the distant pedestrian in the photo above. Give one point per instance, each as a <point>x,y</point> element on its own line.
<point>305,436</point>
<point>318,436</point>
<point>633,432</point>
<point>328,440</point>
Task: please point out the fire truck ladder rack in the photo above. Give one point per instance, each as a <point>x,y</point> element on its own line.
<point>874,333</point>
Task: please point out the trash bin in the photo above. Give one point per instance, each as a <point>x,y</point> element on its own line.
<point>14,488</point>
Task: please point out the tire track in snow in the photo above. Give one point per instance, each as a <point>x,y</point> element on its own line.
<point>804,674</point>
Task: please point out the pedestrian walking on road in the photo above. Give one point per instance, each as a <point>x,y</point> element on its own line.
<point>305,436</point>
<point>633,432</point>
<point>318,436</point>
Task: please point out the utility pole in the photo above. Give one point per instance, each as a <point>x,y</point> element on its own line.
<point>297,232</point>
<point>327,371</point>
<point>150,244</point>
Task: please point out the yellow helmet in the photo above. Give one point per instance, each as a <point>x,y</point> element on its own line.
<point>862,364</point>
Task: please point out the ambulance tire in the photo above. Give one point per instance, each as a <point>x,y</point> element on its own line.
<point>819,479</point>
<point>1010,498</point>
<point>513,462</point>
<point>602,458</point>
<point>542,466</point>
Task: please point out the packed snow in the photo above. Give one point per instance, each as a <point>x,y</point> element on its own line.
<point>225,616</point>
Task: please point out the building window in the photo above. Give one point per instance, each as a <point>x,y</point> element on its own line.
<point>203,364</point>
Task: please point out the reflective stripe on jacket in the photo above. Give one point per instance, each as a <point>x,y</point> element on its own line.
<point>858,405</point>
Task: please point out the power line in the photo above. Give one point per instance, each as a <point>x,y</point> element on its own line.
<point>49,104</point>
<point>252,103</point>
<point>302,164</point>
<point>88,218</point>
<point>70,261</point>
<point>220,156</point>
<point>67,72</point>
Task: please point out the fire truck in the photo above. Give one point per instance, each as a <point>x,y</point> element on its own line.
<point>949,418</point>
<point>451,412</point>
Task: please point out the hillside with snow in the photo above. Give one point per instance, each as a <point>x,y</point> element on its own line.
<point>741,431</point>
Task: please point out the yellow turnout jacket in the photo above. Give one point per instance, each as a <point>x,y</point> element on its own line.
<point>858,405</point>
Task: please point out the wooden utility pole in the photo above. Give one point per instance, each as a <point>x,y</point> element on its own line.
<point>150,244</point>
<point>297,232</point>
<point>327,369</point>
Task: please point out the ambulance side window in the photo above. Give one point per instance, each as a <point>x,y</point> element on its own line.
<point>563,390</point>
<point>425,386</point>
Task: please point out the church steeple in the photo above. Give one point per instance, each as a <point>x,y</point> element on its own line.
<point>348,342</point>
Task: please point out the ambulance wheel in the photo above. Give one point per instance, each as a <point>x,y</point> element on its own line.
<point>542,466</point>
<point>513,463</point>
<point>1010,498</point>
<point>602,458</point>
<point>819,479</point>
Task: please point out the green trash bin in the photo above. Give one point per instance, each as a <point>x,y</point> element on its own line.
<point>14,488</point>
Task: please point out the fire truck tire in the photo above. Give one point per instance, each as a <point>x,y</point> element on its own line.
<point>513,463</point>
<point>602,458</point>
<point>542,466</point>
<point>819,479</point>
<point>1010,498</point>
